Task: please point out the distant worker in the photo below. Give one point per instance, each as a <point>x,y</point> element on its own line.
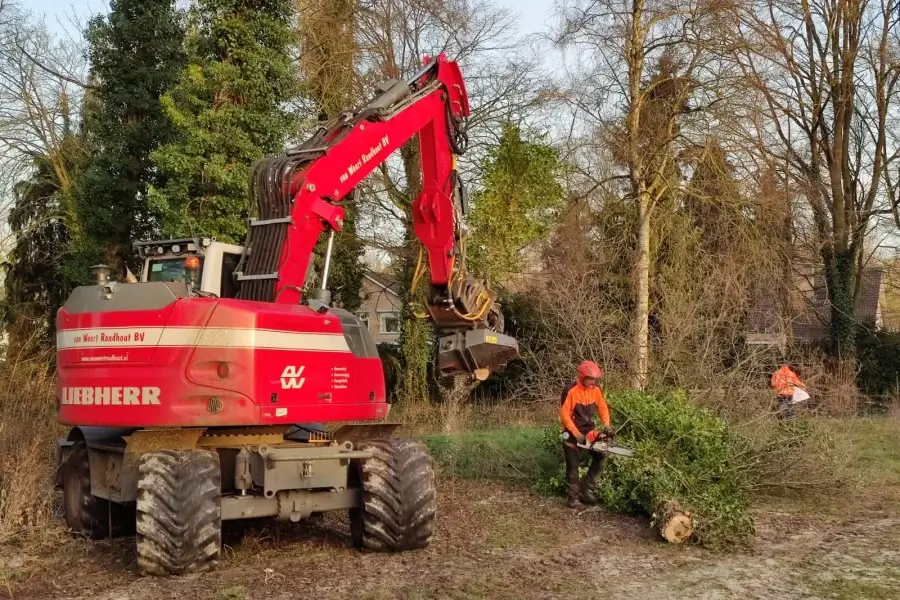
<point>579,404</point>
<point>785,383</point>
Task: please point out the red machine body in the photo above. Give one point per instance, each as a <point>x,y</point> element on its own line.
<point>159,355</point>
<point>203,362</point>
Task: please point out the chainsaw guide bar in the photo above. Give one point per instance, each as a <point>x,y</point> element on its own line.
<point>601,446</point>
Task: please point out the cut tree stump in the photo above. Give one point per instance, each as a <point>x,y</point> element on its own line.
<point>675,523</point>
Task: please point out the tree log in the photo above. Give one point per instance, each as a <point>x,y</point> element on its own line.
<point>675,524</point>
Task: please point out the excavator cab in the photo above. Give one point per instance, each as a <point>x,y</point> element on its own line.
<point>210,263</point>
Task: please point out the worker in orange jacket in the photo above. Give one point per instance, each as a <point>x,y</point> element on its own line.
<point>580,403</point>
<point>784,381</point>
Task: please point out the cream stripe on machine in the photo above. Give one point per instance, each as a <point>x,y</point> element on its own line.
<point>136,337</point>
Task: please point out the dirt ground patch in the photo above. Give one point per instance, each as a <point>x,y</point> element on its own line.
<point>501,542</point>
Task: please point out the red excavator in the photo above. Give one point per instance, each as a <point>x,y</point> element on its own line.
<point>204,392</point>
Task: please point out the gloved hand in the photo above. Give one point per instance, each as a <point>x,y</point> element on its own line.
<point>608,432</point>
<point>580,438</point>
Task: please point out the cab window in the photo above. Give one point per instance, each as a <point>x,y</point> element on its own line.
<point>168,269</point>
<point>228,287</point>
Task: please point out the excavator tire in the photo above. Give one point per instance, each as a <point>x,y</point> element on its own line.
<point>399,502</point>
<point>86,514</point>
<point>179,522</point>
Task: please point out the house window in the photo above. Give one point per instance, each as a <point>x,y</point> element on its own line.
<point>389,322</point>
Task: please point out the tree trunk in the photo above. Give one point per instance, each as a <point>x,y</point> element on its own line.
<point>454,399</point>
<point>415,333</point>
<point>839,279</point>
<point>642,294</point>
<point>675,524</point>
<point>637,168</point>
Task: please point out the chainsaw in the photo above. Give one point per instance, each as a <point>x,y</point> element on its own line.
<point>603,444</point>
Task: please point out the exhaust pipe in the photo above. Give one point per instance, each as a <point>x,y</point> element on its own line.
<point>100,274</point>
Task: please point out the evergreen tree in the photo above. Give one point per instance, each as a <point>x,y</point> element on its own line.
<point>229,108</point>
<point>327,53</point>
<point>35,282</point>
<point>136,54</point>
<point>521,200</point>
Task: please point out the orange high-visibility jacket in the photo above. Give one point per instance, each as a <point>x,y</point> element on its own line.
<point>578,410</point>
<point>784,381</point>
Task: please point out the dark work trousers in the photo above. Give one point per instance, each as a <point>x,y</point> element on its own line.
<point>588,484</point>
<point>786,408</point>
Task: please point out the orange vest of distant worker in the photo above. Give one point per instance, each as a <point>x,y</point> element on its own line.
<point>784,380</point>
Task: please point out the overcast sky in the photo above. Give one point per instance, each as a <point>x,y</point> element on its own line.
<point>534,14</point>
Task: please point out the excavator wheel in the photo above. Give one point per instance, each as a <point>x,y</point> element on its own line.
<point>399,499</point>
<point>86,514</point>
<point>179,523</point>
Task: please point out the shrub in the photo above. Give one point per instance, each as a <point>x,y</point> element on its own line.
<point>797,455</point>
<point>684,454</point>
<point>879,358</point>
<point>28,430</point>
<point>392,364</point>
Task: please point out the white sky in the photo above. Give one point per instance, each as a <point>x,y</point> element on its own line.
<point>534,14</point>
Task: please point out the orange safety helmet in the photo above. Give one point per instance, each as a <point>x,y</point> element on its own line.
<point>589,369</point>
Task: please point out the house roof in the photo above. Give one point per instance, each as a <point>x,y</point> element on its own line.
<point>811,325</point>
<point>384,282</point>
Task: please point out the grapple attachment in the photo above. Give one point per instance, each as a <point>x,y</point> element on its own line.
<point>477,351</point>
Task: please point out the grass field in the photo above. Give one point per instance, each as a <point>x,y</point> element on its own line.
<point>877,444</point>
<point>509,454</point>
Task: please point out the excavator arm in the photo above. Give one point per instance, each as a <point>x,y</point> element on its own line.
<point>299,196</point>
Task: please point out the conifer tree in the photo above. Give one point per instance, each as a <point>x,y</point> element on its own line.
<point>136,54</point>
<point>229,108</point>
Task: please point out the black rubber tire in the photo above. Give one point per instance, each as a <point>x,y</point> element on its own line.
<point>179,512</point>
<point>399,500</point>
<point>85,514</point>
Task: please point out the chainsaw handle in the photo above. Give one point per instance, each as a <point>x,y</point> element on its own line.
<point>602,436</point>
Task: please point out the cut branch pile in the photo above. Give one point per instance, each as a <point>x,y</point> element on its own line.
<point>687,473</point>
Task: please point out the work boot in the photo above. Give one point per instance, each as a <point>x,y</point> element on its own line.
<point>588,491</point>
<point>588,486</point>
<point>573,493</point>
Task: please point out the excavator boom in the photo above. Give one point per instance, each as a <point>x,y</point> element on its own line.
<point>169,352</point>
<point>299,196</point>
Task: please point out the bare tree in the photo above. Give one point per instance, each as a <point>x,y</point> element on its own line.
<point>655,63</point>
<point>40,152</point>
<point>328,53</point>
<point>41,91</point>
<point>825,74</point>
<point>502,74</point>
